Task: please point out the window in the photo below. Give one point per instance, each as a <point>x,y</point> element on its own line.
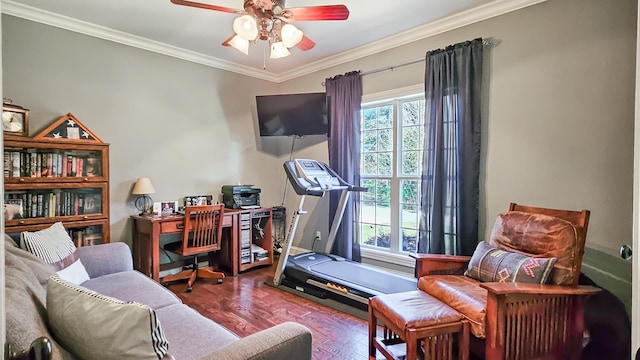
<point>390,167</point>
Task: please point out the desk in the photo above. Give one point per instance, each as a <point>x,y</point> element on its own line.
<point>148,229</point>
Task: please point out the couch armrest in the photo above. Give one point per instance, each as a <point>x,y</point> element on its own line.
<point>284,341</point>
<point>105,259</point>
<point>437,264</point>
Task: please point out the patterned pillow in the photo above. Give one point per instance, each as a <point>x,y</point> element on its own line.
<point>95,326</point>
<point>54,246</point>
<point>492,264</point>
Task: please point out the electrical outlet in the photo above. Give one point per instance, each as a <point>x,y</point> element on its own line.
<point>318,235</point>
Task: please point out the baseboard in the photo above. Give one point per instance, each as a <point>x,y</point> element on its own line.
<point>609,272</point>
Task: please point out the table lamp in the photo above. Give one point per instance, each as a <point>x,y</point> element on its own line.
<point>143,187</point>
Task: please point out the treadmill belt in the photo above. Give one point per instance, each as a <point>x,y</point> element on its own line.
<point>349,272</point>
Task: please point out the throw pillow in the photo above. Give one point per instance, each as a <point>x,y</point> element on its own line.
<point>492,264</point>
<point>54,246</point>
<point>95,326</point>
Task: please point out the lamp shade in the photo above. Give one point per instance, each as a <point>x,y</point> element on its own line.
<point>240,44</point>
<point>143,186</point>
<point>291,35</point>
<point>246,27</point>
<point>278,50</point>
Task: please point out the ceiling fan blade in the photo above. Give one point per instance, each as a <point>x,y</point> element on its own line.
<point>207,6</point>
<point>306,44</point>
<point>315,13</point>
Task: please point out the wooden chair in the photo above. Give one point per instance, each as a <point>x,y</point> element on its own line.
<point>202,234</point>
<point>519,321</point>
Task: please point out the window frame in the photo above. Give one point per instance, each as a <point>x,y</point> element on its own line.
<point>398,257</point>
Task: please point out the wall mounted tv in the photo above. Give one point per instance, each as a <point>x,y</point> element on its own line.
<point>293,114</point>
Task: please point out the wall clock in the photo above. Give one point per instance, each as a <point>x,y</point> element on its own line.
<point>15,120</point>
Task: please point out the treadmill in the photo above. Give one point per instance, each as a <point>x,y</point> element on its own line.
<point>322,274</point>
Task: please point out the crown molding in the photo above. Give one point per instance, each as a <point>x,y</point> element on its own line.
<point>477,14</point>
<point>467,17</point>
<point>64,22</point>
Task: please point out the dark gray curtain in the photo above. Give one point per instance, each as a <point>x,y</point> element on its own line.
<point>451,159</point>
<point>345,92</point>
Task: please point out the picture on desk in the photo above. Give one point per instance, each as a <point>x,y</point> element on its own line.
<point>165,208</point>
<point>198,200</point>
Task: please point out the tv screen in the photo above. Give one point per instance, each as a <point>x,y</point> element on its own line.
<point>293,114</point>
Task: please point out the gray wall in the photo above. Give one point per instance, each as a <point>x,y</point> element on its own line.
<point>558,108</point>
<point>186,126</point>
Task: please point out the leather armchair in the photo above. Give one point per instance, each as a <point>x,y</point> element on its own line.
<point>513,320</point>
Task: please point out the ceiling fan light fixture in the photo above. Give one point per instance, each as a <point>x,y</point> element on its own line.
<point>278,50</point>
<point>291,35</point>
<point>240,44</point>
<point>246,27</point>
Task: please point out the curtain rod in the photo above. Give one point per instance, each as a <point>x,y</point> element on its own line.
<point>485,42</point>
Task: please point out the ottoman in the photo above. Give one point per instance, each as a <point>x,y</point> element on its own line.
<point>423,323</point>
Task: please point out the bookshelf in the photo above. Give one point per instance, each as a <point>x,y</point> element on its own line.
<point>47,180</point>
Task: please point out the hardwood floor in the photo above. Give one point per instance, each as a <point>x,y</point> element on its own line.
<point>245,304</point>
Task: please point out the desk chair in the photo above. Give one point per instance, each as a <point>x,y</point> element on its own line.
<point>202,234</point>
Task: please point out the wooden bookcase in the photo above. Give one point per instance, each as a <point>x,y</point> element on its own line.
<point>53,180</point>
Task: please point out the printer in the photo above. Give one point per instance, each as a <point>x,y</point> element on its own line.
<point>240,196</point>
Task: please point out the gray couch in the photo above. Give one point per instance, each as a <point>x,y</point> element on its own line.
<point>190,335</point>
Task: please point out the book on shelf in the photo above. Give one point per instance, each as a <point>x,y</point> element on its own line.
<point>50,164</point>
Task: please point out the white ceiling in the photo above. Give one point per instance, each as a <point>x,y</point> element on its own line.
<point>196,34</point>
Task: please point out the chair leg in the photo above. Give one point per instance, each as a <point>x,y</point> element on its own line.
<point>184,274</point>
<point>210,273</point>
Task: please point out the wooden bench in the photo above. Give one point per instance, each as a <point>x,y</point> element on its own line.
<point>422,322</point>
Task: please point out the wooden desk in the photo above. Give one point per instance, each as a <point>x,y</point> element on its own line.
<point>148,229</point>
<point>146,240</point>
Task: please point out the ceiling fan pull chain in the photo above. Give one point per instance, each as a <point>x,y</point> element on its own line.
<point>264,58</point>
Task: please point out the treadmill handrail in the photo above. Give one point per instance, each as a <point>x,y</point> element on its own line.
<point>301,186</point>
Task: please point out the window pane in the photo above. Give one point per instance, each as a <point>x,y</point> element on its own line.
<point>384,164</point>
<point>369,119</point>
<point>385,114</point>
<point>410,191</point>
<point>369,195</point>
<point>409,216</point>
<point>369,141</point>
<point>368,234</point>
<point>370,164</point>
<point>385,140</point>
<point>411,138</point>
<point>383,191</point>
<point>383,214</point>
<point>409,240</point>
<point>383,239</point>
<point>410,163</point>
<point>411,113</point>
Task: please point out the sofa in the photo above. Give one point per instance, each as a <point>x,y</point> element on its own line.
<point>110,269</point>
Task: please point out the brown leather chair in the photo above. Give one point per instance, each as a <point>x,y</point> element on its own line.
<point>514,320</point>
<point>202,234</point>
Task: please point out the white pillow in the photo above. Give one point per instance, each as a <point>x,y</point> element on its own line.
<point>54,246</point>
<point>95,326</point>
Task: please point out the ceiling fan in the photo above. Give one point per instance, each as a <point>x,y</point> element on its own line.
<point>269,20</point>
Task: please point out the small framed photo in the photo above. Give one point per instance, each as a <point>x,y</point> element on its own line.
<point>13,209</point>
<point>198,200</point>
<point>165,208</point>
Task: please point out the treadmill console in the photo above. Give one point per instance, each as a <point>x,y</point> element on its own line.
<point>311,177</point>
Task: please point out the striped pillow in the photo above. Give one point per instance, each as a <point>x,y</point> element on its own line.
<point>54,246</point>
<point>96,326</point>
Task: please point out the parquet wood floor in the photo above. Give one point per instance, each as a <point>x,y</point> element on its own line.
<point>245,304</point>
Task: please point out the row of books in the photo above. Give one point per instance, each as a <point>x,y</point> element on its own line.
<point>91,235</point>
<point>32,204</point>
<point>49,164</point>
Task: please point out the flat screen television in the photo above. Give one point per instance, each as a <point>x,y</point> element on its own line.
<point>293,114</point>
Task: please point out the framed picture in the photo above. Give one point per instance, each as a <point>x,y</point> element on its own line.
<point>198,200</point>
<point>15,120</point>
<point>13,209</point>
<point>165,208</point>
